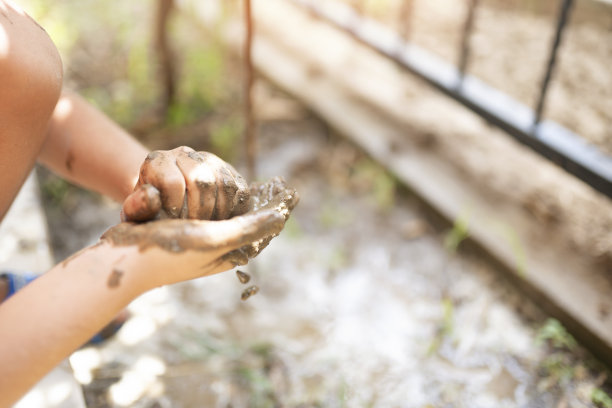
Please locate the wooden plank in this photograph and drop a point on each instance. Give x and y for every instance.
(359, 96)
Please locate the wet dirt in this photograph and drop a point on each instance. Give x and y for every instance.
(114, 279)
(243, 277)
(271, 205)
(248, 292)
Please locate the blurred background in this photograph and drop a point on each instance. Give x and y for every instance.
(372, 296)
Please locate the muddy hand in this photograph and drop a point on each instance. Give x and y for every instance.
(183, 183)
(273, 195)
(198, 247)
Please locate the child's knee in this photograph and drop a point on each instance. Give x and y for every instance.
(30, 65)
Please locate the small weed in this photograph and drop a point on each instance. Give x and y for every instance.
(458, 233)
(342, 394)
(225, 137)
(199, 346)
(553, 333)
(380, 184)
(333, 215)
(509, 234)
(55, 189)
(261, 392)
(601, 398)
(558, 368)
(445, 328)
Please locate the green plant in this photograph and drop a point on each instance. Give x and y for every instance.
(553, 333)
(225, 138)
(601, 398)
(380, 184)
(55, 189)
(558, 368)
(445, 328)
(510, 235)
(458, 233)
(333, 215)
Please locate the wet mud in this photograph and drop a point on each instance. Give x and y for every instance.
(69, 161)
(243, 277)
(248, 292)
(272, 203)
(114, 279)
(273, 195)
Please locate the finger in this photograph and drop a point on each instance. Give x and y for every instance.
(242, 199)
(161, 171)
(226, 191)
(201, 185)
(221, 265)
(242, 230)
(142, 205)
(226, 186)
(174, 235)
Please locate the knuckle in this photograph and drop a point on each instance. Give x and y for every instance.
(153, 155)
(204, 184)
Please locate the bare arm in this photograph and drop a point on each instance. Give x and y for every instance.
(58, 312)
(84, 146)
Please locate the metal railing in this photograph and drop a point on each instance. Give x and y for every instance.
(548, 138)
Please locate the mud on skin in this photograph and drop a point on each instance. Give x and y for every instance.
(272, 199)
(271, 195)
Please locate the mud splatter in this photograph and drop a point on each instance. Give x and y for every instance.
(248, 292)
(69, 161)
(114, 279)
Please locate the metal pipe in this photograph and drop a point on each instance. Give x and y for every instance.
(465, 38)
(550, 139)
(564, 12)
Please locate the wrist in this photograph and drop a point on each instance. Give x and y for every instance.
(111, 268)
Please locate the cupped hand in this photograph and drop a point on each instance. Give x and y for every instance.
(183, 183)
(187, 249)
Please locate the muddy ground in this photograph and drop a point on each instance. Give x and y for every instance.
(363, 300)
(361, 303)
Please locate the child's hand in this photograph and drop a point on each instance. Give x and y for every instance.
(183, 183)
(174, 249)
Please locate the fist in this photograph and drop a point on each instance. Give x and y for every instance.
(183, 183)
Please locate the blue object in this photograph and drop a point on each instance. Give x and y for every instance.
(17, 282)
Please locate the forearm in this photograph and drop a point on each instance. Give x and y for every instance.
(87, 148)
(50, 318)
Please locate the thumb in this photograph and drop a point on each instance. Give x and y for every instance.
(177, 235)
(142, 205)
